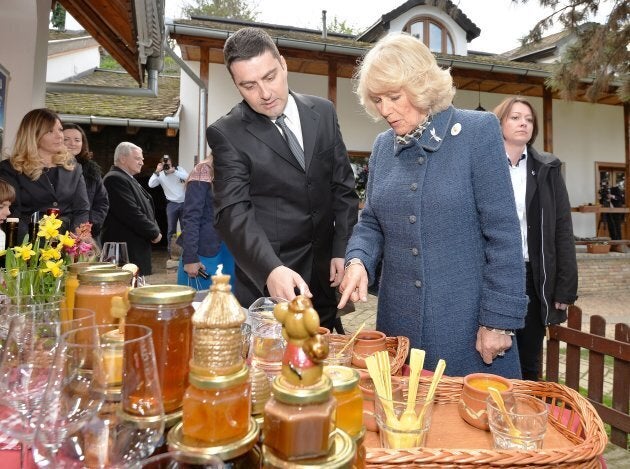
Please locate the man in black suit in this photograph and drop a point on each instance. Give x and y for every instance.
(131, 215)
(285, 216)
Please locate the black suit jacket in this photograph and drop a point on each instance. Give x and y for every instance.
(69, 195)
(271, 212)
(131, 217)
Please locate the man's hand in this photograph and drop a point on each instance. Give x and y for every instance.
(491, 344)
(157, 238)
(283, 281)
(192, 269)
(354, 285)
(159, 167)
(336, 271)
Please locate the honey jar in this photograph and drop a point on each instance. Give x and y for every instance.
(298, 421)
(96, 289)
(340, 456)
(72, 279)
(345, 389)
(217, 409)
(167, 310)
(240, 454)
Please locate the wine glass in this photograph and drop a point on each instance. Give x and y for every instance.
(115, 252)
(25, 366)
(128, 425)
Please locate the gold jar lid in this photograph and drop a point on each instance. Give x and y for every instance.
(78, 267)
(343, 378)
(105, 276)
(161, 295)
(284, 391)
(341, 455)
(218, 381)
(198, 452)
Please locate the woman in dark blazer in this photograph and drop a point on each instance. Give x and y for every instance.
(44, 174)
(77, 144)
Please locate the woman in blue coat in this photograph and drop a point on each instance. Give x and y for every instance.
(203, 250)
(440, 214)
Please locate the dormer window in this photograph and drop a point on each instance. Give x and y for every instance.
(433, 33)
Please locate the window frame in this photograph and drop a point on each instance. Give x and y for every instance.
(426, 31)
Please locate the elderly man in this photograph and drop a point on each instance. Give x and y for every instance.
(131, 215)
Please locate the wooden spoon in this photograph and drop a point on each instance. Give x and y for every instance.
(496, 396)
(439, 370)
(416, 361)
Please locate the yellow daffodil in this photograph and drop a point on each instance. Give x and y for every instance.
(66, 240)
(54, 268)
(47, 231)
(14, 272)
(24, 252)
(50, 254)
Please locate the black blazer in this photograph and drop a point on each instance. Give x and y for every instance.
(271, 212)
(130, 218)
(69, 195)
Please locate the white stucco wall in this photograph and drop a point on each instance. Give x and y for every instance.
(583, 133)
(23, 23)
(69, 64)
(458, 35)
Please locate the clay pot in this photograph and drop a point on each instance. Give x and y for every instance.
(321, 330)
(367, 343)
(472, 402)
(367, 388)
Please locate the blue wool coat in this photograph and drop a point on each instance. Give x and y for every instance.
(440, 212)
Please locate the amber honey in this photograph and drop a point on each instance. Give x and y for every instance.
(483, 384)
(96, 290)
(217, 411)
(167, 310)
(345, 389)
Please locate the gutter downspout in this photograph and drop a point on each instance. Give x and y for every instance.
(203, 92)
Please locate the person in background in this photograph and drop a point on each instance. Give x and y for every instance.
(546, 234)
(44, 174)
(77, 144)
(440, 215)
(131, 215)
(203, 250)
(284, 199)
(7, 197)
(172, 179)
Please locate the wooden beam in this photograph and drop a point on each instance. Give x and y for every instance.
(548, 120)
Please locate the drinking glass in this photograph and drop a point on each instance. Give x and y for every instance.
(25, 367)
(115, 252)
(128, 425)
(523, 424)
(181, 460)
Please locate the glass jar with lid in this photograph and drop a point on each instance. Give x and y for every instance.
(97, 288)
(298, 421)
(72, 278)
(167, 310)
(345, 385)
(243, 453)
(217, 409)
(340, 456)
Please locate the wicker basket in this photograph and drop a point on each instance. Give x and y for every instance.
(580, 426)
(398, 349)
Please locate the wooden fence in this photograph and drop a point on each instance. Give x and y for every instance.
(598, 347)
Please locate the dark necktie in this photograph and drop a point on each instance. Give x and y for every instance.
(291, 139)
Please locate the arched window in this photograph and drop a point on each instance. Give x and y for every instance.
(433, 33)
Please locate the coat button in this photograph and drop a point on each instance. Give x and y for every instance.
(414, 251)
(421, 159)
(414, 186)
(55, 204)
(412, 219)
(418, 283)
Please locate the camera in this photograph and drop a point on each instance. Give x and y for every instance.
(165, 164)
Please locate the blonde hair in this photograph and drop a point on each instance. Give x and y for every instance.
(25, 158)
(401, 62)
